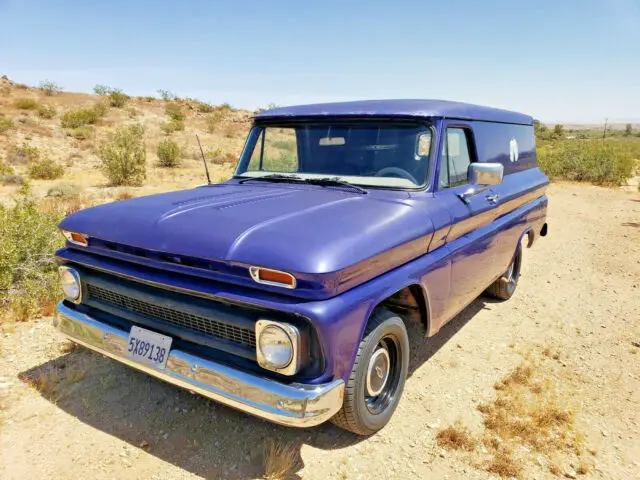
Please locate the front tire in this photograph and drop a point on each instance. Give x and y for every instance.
(378, 376)
(505, 286)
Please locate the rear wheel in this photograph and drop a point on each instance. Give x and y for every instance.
(505, 286)
(377, 379)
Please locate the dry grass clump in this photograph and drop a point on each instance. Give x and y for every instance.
(505, 465)
(529, 410)
(456, 437)
(281, 460)
(530, 416)
(26, 104)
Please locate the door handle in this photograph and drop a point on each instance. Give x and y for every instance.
(493, 198)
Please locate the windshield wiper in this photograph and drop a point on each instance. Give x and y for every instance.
(274, 177)
(335, 182)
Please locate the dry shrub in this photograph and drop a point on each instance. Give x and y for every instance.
(22, 154)
(456, 437)
(584, 467)
(117, 98)
(82, 133)
(6, 124)
(124, 195)
(64, 190)
(46, 111)
(12, 179)
(281, 460)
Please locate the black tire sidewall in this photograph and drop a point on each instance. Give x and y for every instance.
(391, 326)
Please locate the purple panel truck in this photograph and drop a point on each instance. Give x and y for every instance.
(286, 291)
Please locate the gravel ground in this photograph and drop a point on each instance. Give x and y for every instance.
(579, 293)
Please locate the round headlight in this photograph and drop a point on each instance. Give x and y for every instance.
(276, 346)
(70, 281)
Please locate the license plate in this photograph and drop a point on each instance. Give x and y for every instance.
(149, 348)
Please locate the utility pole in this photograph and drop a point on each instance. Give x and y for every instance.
(604, 133)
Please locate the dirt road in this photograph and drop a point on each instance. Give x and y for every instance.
(79, 415)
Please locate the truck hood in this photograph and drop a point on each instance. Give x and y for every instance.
(331, 239)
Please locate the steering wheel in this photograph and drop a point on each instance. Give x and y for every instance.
(398, 172)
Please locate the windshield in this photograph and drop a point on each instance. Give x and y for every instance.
(389, 155)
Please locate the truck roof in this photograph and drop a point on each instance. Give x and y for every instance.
(397, 108)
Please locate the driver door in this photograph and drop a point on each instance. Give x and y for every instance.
(470, 238)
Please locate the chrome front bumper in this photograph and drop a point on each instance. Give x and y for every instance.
(295, 405)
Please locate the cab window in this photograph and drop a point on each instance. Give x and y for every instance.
(456, 158)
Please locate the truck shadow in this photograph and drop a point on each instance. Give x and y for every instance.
(189, 431)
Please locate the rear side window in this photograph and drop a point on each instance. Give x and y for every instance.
(456, 158)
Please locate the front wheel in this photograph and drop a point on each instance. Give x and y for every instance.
(377, 379)
(505, 286)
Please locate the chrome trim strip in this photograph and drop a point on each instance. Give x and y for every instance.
(295, 405)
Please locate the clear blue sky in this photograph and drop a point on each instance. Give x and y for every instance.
(569, 60)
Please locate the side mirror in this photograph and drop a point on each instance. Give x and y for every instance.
(485, 173)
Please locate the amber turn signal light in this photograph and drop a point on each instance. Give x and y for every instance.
(276, 278)
(76, 238)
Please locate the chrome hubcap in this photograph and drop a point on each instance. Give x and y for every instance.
(378, 371)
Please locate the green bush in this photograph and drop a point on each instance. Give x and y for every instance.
(50, 88)
(167, 96)
(82, 133)
(123, 157)
(102, 90)
(5, 169)
(168, 154)
(45, 169)
(600, 162)
(117, 98)
(6, 124)
(174, 111)
(214, 120)
(46, 111)
(172, 126)
(83, 116)
(64, 191)
(26, 104)
(28, 239)
(206, 108)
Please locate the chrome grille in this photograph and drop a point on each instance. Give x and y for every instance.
(224, 331)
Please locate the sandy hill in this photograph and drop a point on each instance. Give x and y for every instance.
(24, 112)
